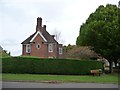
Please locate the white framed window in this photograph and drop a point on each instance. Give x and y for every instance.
(38, 46)
(50, 47)
(28, 48)
(60, 50)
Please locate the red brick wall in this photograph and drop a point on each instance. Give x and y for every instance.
(54, 53)
(43, 50)
(24, 51)
(60, 55)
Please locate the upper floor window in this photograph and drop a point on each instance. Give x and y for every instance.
(38, 46)
(50, 47)
(60, 50)
(28, 48)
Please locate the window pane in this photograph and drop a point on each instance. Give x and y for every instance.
(28, 48)
(50, 47)
(60, 50)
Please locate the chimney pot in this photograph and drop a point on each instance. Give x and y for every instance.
(44, 26)
(53, 36)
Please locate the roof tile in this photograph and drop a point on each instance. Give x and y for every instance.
(46, 35)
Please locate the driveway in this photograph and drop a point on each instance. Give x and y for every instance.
(55, 85)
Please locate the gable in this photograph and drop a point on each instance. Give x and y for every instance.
(38, 33)
(32, 37)
(44, 35)
(47, 38)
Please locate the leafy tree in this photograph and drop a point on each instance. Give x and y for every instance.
(4, 53)
(101, 32)
(76, 52)
(67, 48)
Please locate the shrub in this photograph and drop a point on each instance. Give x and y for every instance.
(48, 66)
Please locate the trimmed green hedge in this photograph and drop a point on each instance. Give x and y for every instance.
(48, 66)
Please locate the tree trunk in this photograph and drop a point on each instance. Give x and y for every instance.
(111, 66)
(115, 64)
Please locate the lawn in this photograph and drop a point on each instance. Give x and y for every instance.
(106, 78)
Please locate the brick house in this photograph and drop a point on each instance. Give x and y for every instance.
(41, 43)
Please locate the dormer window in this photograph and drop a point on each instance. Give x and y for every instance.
(28, 48)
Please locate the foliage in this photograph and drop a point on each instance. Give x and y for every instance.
(48, 66)
(79, 52)
(67, 48)
(101, 31)
(4, 53)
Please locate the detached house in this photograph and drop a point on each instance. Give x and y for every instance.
(41, 43)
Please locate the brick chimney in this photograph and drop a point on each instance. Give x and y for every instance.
(53, 36)
(39, 24)
(44, 27)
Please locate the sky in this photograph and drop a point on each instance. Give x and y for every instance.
(18, 19)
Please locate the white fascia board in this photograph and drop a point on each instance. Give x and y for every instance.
(38, 32)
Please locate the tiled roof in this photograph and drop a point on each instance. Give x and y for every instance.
(28, 39)
(46, 35)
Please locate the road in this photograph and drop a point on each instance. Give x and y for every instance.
(55, 85)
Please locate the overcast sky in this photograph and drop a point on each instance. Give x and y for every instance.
(18, 19)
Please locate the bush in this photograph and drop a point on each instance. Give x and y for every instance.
(48, 66)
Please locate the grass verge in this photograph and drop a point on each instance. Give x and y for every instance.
(107, 78)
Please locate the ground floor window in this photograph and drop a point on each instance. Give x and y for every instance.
(50, 47)
(28, 48)
(60, 50)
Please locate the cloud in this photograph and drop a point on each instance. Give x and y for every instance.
(9, 42)
(12, 46)
(18, 19)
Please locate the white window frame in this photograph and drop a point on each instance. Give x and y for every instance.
(50, 47)
(60, 50)
(37, 46)
(28, 48)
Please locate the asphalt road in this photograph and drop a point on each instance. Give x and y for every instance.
(55, 85)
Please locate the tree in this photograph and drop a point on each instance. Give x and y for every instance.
(4, 53)
(76, 52)
(58, 36)
(101, 32)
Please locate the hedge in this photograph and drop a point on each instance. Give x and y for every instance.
(48, 66)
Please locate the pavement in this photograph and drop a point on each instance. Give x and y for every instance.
(6, 84)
